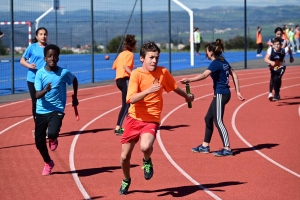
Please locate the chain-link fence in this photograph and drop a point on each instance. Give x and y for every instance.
(85, 29)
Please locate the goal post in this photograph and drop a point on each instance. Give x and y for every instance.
(190, 12)
(29, 28)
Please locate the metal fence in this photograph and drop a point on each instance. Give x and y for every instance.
(83, 29)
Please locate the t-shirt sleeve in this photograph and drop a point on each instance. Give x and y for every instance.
(69, 77)
(269, 51)
(133, 85)
(286, 50)
(169, 82)
(27, 52)
(38, 81)
(212, 67)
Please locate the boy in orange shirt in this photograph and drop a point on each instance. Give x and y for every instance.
(144, 94)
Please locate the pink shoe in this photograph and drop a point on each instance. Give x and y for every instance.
(48, 167)
(53, 144)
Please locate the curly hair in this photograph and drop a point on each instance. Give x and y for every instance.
(148, 47)
(129, 42)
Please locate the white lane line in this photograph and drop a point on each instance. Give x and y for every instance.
(161, 145)
(248, 144)
(4, 130)
(72, 152)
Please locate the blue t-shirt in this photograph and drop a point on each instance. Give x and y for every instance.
(220, 75)
(34, 54)
(55, 99)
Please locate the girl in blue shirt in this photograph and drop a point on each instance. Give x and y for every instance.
(219, 70)
(33, 59)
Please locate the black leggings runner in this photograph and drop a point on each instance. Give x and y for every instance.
(214, 115)
(275, 80)
(122, 84)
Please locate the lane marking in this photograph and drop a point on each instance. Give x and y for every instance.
(161, 145)
(72, 152)
(248, 144)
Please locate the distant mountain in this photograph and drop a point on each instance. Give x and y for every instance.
(74, 27)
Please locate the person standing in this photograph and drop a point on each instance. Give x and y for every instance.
(291, 36)
(197, 40)
(33, 59)
(219, 70)
(124, 65)
(297, 38)
(145, 90)
(259, 41)
(51, 93)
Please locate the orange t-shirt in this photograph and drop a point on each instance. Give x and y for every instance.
(149, 108)
(297, 34)
(258, 37)
(125, 58)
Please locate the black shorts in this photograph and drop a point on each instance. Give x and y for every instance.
(51, 121)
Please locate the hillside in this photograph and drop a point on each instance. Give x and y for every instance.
(75, 28)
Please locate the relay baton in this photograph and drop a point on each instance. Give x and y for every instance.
(188, 91)
(76, 111)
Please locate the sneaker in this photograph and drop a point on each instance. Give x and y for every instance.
(148, 169)
(270, 97)
(223, 152)
(201, 149)
(276, 97)
(48, 167)
(124, 186)
(120, 131)
(53, 144)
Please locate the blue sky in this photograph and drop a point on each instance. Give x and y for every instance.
(148, 5)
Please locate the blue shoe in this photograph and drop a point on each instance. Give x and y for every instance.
(223, 152)
(201, 149)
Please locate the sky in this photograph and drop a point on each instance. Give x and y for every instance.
(148, 5)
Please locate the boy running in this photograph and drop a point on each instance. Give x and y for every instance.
(144, 94)
(275, 59)
(50, 84)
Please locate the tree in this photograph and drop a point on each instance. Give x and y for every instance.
(3, 49)
(113, 44)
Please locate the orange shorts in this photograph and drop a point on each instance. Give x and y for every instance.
(135, 128)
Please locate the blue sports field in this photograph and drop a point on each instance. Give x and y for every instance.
(80, 66)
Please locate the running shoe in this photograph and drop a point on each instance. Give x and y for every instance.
(148, 169)
(53, 144)
(47, 168)
(201, 149)
(270, 97)
(223, 152)
(120, 131)
(124, 186)
(276, 97)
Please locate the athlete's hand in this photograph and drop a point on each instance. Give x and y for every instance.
(48, 87)
(185, 80)
(291, 59)
(154, 88)
(32, 66)
(240, 96)
(272, 63)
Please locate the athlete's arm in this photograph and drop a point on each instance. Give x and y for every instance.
(199, 77)
(236, 83)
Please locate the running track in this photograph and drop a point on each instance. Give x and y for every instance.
(264, 137)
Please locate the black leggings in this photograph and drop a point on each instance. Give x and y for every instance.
(51, 121)
(275, 80)
(32, 93)
(122, 84)
(214, 115)
(259, 48)
(197, 47)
